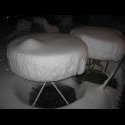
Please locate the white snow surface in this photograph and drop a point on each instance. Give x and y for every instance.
(103, 43)
(47, 57)
(14, 94)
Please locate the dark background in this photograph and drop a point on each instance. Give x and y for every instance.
(9, 22)
(84, 19)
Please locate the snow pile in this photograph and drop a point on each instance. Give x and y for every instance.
(103, 43)
(47, 57)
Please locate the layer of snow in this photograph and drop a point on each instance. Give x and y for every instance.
(47, 57)
(91, 96)
(103, 43)
(14, 91)
(14, 94)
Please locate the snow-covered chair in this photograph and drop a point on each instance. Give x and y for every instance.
(106, 48)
